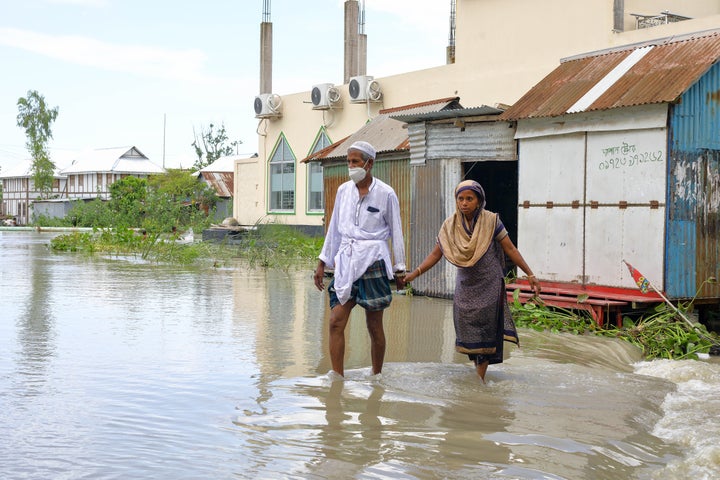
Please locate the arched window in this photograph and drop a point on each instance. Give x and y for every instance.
(282, 177)
(315, 203)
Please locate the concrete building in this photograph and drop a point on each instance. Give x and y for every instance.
(499, 51)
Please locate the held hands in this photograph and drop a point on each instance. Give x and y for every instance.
(411, 276)
(319, 275)
(400, 282)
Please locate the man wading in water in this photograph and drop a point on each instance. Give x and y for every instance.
(365, 216)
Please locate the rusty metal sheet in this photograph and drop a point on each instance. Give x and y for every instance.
(669, 68)
(221, 182)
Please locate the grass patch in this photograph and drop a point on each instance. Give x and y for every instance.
(270, 246)
(279, 246)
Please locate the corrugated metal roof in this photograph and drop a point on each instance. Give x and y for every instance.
(113, 160)
(24, 170)
(448, 103)
(222, 182)
(384, 132)
(653, 72)
(449, 113)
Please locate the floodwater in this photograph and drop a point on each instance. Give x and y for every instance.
(115, 368)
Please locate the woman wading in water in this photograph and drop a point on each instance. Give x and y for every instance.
(475, 240)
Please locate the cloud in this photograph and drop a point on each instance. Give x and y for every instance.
(186, 65)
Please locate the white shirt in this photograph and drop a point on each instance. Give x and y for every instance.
(358, 234)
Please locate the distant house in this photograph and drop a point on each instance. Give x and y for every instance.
(92, 173)
(19, 191)
(220, 176)
(88, 176)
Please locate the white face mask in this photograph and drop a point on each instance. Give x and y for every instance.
(357, 174)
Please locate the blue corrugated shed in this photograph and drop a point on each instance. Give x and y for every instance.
(693, 224)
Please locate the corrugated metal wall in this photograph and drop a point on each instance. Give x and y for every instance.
(693, 230)
(473, 141)
(447, 146)
(396, 173)
(417, 137)
(434, 186)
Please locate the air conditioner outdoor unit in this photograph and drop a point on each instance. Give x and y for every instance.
(268, 105)
(364, 89)
(324, 96)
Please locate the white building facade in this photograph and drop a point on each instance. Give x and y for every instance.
(88, 176)
(501, 50)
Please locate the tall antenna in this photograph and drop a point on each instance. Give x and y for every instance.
(361, 18)
(451, 38)
(361, 41)
(266, 11)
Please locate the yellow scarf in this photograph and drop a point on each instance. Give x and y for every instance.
(458, 247)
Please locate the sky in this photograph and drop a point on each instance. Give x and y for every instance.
(154, 73)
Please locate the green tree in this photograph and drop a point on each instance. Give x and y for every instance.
(177, 183)
(211, 145)
(183, 188)
(127, 201)
(36, 118)
(159, 204)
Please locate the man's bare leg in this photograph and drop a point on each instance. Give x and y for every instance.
(339, 316)
(377, 339)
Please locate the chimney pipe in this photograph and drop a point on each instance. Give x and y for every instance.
(352, 38)
(450, 53)
(619, 15)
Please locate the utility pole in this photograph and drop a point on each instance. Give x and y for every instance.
(164, 127)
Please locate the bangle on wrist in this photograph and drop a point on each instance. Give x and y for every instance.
(419, 270)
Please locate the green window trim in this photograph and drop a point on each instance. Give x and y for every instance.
(282, 178)
(314, 193)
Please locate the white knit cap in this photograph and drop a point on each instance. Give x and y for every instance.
(363, 147)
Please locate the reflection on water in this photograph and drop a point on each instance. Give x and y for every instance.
(35, 332)
(113, 368)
